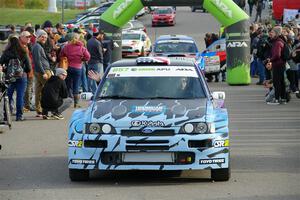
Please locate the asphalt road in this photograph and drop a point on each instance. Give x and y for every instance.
(265, 150)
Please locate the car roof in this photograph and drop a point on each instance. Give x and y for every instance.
(174, 61)
(176, 37)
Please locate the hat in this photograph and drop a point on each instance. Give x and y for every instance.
(277, 30)
(59, 25)
(47, 24)
(96, 31)
(30, 30)
(60, 71)
(25, 34)
(40, 32)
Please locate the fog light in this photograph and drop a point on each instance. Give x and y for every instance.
(94, 128)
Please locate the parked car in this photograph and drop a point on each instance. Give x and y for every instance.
(135, 43)
(135, 25)
(150, 114)
(86, 21)
(175, 46)
(163, 16)
(200, 7)
(98, 10)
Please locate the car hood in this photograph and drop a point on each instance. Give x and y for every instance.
(158, 112)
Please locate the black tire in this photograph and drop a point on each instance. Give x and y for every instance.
(193, 9)
(7, 112)
(79, 174)
(220, 174)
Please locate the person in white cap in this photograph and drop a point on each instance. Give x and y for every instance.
(55, 95)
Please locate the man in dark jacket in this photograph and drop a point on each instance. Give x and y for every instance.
(55, 95)
(278, 66)
(108, 44)
(95, 47)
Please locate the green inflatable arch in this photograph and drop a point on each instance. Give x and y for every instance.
(234, 19)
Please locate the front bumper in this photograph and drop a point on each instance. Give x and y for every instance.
(178, 152)
(162, 22)
(131, 52)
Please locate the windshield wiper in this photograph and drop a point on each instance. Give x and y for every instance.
(166, 97)
(116, 97)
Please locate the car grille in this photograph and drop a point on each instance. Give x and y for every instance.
(131, 133)
(126, 47)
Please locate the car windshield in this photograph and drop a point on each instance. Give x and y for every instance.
(131, 36)
(163, 11)
(162, 85)
(175, 47)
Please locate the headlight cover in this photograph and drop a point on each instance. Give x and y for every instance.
(198, 128)
(99, 128)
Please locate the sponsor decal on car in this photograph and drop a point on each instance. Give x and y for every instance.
(167, 71)
(212, 161)
(221, 143)
(137, 123)
(73, 143)
(147, 110)
(83, 161)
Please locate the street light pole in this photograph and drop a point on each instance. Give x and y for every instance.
(62, 11)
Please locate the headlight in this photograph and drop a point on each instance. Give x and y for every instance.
(198, 128)
(106, 128)
(99, 128)
(94, 128)
(201, 128)
(188, 128)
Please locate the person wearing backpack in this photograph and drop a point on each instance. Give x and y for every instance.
(17, 63)
(277, 64)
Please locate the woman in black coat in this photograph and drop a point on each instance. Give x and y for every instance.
(15, 52)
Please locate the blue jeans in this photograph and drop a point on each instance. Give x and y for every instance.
(73, 79)
(261, 70)
(84, 83)
(92, 84)
(20, 86)
(257, 66)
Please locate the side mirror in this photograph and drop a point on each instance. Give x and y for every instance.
(86, 96)
(219, 98)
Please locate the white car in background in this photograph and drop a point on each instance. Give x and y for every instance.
(135, 43)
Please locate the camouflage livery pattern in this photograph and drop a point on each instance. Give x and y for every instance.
(143, 119)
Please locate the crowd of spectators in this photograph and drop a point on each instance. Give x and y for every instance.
(275, 59)
(54, 63)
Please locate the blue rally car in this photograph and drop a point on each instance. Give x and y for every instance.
(151, 113)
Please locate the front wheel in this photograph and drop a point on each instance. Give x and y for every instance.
(220, 174)
(79, 174)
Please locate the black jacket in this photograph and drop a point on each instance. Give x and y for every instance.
(7, 55)
(53, 93)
